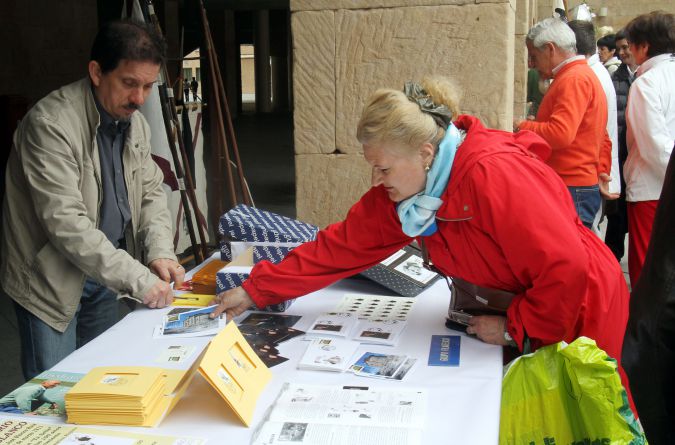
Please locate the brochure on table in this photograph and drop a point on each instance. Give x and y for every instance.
(308, 414)
(348, 325)
(41, 396)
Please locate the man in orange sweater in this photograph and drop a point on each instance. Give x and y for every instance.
(572, 117)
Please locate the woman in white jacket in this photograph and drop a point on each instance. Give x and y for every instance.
(650, 118)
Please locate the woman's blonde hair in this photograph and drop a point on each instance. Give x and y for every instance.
(389, 116)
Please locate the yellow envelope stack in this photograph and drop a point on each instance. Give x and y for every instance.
(125, 395)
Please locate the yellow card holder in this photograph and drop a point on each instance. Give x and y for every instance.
(234, 370)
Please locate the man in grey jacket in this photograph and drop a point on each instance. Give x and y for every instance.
(84, 209)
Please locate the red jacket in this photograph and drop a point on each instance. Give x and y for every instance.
(507, 222)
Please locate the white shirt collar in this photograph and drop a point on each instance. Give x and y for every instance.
(631, 73)
(595, 58)
(565, 62)
(653, 61)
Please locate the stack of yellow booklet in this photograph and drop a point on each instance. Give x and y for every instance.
(125, 395)
(142, 396)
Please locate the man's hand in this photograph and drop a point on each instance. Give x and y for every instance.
(233, 302)
(603, 183)
(160, 295)
(168, 270)
(489, 328)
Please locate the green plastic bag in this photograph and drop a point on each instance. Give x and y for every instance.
(566, 395)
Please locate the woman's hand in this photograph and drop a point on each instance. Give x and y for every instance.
(489, 328)
(233, 302)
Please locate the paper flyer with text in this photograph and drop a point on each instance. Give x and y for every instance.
(20, 432)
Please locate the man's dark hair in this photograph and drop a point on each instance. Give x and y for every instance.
(656, 28)
(608, 41)
(585, 35)
(620, 35)
(129, 40)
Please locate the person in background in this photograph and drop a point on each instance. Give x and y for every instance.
(584, 32)
(536, 88)
(186, 90)
(649, 345)
(607, 52)
(85, 217)
(572, 117)
(617, 217)
(650, 119)
(488, 210)
(194, 86)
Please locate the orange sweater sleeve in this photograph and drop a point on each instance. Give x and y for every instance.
(567, 102)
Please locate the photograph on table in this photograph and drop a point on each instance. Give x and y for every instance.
(386, 332)
(405, 368)
(413, 268)
(333, 323)
(375, 364)
(269, 319)
(189, 322)
(42, 395)
(328, 354)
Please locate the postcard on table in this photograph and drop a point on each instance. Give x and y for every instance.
(376, 307)
(386, 332)
(328, 354)
(189, 322)
(269, 319)
(405, 368)
(375, 364)
(338, 324)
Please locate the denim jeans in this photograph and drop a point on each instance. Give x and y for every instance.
(587, 202)
(42, 346)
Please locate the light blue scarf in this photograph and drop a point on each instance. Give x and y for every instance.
(418, 213)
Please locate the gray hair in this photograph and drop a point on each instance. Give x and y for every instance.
(553, 30)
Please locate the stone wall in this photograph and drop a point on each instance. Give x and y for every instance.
(525, 18)
(344, 50)
(619, 12)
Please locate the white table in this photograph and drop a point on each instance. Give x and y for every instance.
(464, 401)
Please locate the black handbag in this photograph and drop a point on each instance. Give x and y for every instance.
(468, 299)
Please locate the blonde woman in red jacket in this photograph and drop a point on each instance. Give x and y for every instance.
(489, 211)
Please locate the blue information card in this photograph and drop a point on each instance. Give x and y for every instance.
(444, 350)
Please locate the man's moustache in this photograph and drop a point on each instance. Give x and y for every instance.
(132, 106)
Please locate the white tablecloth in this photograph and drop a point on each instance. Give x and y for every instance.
(463, 401)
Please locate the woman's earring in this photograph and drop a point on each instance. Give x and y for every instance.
(427, 168)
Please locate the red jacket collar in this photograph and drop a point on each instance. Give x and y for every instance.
(479, 143)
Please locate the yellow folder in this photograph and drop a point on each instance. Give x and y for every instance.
(234, 370)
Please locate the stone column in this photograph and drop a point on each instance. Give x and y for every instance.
(346, 49)
(523, 15)
(263, 91)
